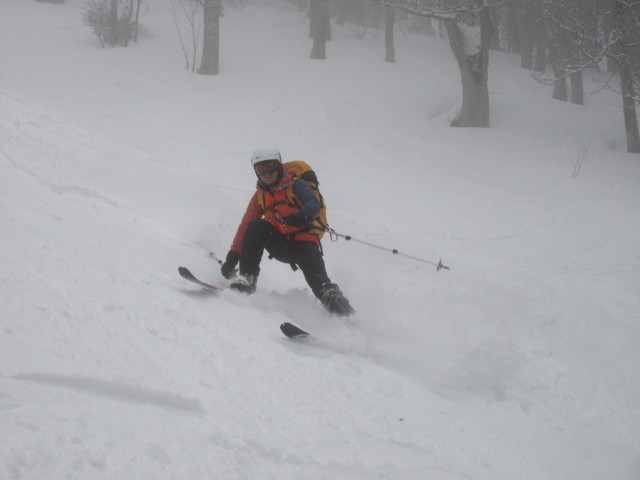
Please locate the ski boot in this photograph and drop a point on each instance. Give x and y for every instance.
(334, 301)
(245, 284)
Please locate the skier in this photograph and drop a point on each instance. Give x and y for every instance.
(282, 228)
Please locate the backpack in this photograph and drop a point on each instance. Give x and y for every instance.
(304, 171)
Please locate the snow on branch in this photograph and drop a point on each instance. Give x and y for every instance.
(447, 10)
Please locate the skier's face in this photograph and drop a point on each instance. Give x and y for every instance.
(267, 171)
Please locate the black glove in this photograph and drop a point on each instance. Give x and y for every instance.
(298, 219)
(228, 268)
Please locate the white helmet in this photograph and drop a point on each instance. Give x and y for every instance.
(265, 154)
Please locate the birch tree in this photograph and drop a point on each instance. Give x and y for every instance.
(390, 50)
(113, 32)
(606, 29)
(211, 40)
(469, 28)
(319, 28)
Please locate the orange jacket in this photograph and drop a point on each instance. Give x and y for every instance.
(276, 207)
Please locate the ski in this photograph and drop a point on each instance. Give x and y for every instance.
(294, 332)
(187, 275)
(289, 329)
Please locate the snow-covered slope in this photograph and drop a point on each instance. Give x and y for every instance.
(117, 166)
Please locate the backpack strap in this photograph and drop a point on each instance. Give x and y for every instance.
(293, 200)
(312, 181)
(260, 199)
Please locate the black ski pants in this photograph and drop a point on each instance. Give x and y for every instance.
(260, 235)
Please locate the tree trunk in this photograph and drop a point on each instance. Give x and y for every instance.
(343, 10)
(560, 82)
(474, 65)
(560, 87)
(319, 28)
(577, 90)
(388, 35)
(113, 27)
(126, 22)
(475, 102)
(498, 31)
(540, 44)
(137, 21)
(526, 45)
(629, 110)
(513, 35)
(319, 50)
(626, 80)
(211, 38)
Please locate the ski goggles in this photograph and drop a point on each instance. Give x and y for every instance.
(266, 168)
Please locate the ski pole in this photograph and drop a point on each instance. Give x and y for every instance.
(220, 262)
(213, 255)
(333, 234)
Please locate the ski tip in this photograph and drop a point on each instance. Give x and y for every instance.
(185, 273)
(292, 331)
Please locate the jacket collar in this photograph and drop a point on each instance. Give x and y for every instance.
(280, 184)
